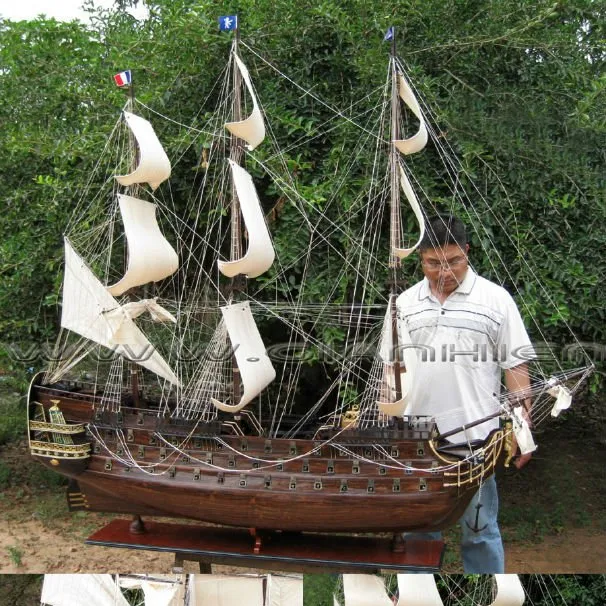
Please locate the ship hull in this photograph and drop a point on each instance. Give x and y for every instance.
(272, 510)
(143, 463)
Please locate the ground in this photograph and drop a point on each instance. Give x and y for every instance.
(553, 515)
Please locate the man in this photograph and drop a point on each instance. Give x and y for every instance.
(474, 331)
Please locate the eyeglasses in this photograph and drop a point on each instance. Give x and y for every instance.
(435, 264)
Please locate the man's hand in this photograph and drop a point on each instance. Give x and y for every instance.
(522, 459)
(517, 381)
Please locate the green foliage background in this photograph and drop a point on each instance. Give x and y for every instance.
(520, 87)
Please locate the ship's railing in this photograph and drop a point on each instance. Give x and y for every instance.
(52, 438)
(60, 451)
(476, 467)
(57, 427)
(72, 395)
(412, 428)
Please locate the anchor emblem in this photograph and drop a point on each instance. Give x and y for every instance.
(475, 527)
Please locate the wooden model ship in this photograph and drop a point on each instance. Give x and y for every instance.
(230, 438)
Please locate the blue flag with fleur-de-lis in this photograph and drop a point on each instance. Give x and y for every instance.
(389, 34)
(228, 23)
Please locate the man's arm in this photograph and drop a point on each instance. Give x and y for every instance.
(517, 380)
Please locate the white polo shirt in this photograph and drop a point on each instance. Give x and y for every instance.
(462, 346)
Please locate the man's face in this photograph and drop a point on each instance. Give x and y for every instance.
(445, 267)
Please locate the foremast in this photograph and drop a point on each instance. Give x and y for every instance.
(397, 367)
(399, 359)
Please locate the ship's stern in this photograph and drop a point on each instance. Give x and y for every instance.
(56, 443)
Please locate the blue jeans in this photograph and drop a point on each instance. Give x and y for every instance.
(481, 552)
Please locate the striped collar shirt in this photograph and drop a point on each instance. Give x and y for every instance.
(461, 346)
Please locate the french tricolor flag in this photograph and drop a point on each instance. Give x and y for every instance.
(123, 78)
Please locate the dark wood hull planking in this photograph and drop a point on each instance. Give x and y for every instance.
(354, 484)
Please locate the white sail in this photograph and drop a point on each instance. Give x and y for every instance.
(509, 590)
(365, 589)
(89, 310)
(522, 432)
(159, 590)
(563, 399)
(418, 590)
(284, 591)
(410, 146)
(81, 590)
(252, 130)
(416, 208)
(223, 590)
(260, 254)
(256, 370)
(154, 165)
(150, 255)
(408, 355)
(156, 311)
(418, 141)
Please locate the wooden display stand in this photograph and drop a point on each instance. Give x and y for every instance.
(283, 551)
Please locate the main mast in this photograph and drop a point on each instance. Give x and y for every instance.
(235, 154)
(252, 370)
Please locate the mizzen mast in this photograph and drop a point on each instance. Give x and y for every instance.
(132, 190)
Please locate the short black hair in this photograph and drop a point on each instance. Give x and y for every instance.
(443, 230)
